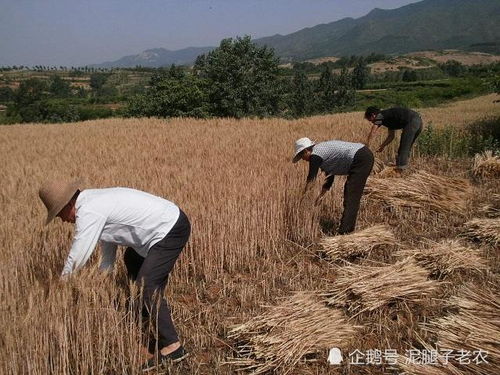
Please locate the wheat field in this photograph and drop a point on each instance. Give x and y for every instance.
(253, 242)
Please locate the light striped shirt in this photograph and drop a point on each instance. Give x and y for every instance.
(337, 156)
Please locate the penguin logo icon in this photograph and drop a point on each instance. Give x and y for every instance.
(335, 356)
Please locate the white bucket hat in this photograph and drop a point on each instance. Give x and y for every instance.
(300, 145)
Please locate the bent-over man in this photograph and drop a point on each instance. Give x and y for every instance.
(393, 119)
(154, 229)
(354, 160)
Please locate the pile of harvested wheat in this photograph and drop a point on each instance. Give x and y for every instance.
(485, 230)
(473, 332)
(486, 165)
(387, 172)
(421, 190)
(446, 258)
(358, 244)
(378, 166)
(367, 288)
(491, 209)
(301, 326)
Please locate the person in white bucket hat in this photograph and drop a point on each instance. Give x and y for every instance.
(354, 160)
(154, 230)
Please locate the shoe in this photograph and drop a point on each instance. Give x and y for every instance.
(176, 356)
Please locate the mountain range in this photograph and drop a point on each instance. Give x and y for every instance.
(472, 25)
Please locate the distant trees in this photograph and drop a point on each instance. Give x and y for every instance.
(59, 87)
(302, 99)
(453, 68)
(6, 94)
(326, 90)
(242, 79)
(360, 74)
(173, 92)
(37, 100)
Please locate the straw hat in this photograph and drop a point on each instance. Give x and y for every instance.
(56, 194)
(300, 145)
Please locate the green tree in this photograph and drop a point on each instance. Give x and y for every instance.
(360, 74)
(302, 98)
(97, 80)
(172, 93)
(6, 94)
(326, 90)
(345, 94)
(453, 68)
(58, 87)
(29, 92)
(409, 75)
(243, 79)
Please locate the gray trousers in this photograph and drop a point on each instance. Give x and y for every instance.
(408, 137)
(353, 189)
(152, 273)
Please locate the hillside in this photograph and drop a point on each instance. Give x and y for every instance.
(158, 57)
(426, 25)
(429, 24)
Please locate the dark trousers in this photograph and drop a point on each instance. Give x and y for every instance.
(408, 137)
(353, 189)
(152, 274)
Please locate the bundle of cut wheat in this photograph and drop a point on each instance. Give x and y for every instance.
(473, 332)
(367, 288)
(302, 325)
(387, 172)
(491, 209)
(359, 243)
(378, 166)
(483, 302)
(421, 190)
(486, 165)
(447, 257)
(487, 230)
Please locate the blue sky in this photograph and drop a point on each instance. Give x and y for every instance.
(79, 32)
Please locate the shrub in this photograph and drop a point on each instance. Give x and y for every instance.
(455, 142)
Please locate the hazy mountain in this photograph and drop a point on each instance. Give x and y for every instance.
(158, 57)
(429, 24)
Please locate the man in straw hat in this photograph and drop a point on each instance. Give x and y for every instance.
(354, 160)
(154, 230)
(393, 119)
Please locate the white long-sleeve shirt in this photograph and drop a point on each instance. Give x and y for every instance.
(118, 216)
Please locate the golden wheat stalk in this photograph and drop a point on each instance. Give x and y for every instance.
(486, 165)
(447, 257)
(486, 230)
(301, 325)
(421, 190)
(360, 288)
(360, 243)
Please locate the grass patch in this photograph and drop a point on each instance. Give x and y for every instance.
(454, 142)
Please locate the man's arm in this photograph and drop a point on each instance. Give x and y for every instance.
(372, 133)
(108, 256)
(388, 139)
(88, 229)
(326, 186)
(314, 164)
